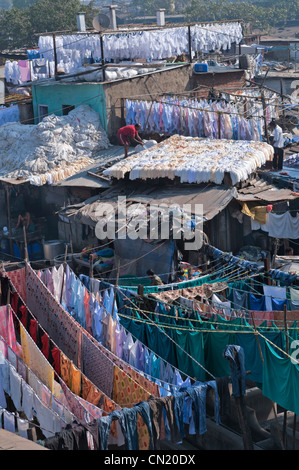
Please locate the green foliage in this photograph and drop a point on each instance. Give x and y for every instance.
(262, 14)
(20, 27)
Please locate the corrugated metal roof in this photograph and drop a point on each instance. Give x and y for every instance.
(90, 176)
(261, 190)
(212, 197)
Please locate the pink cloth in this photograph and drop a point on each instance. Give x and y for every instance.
(25, 70)
(260, 316)
(18, 280)
(7, 328)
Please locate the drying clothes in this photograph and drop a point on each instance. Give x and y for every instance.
(294, 294)
(9, 421)
(35, 360)
(18, 280)
(225, 306)
(194, 118)
(3, 403)
(283, 225)
(163, 43)
(273, 292)
(253, 361)
(224, 396)
(97, 367)
(127, 418)
(257, 303)
(27, 400)
(198, 396)
(278, 304)
(280, 379)
(261, 316)
(125, 390)
(257, 213)
(7, 330)
(235, 355)
(157, 407)
(22, 426)
(198, 161)
(15, 388)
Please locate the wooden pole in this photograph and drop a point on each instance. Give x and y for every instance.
(264, 114)
(91, 265)
(25, 244)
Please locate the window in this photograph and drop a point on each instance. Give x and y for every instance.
(43, 111)
(66, 108)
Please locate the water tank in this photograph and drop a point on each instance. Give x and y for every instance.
(199, 68)
(244, 62)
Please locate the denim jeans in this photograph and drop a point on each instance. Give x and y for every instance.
(235, 354)
(127, 418)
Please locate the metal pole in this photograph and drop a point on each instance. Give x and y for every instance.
(189, 44)
(102, 57)
(55, 54)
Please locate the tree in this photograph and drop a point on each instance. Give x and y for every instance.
(22, 3)
(21, 27)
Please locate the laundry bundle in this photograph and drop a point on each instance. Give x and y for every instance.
(54, 149)
(194, 160)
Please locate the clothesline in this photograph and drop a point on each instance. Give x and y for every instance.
(42, 329)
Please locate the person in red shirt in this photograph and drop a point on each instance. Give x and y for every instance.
(126, 133)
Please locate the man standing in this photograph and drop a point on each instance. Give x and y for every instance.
(126, 133)
(277, 143)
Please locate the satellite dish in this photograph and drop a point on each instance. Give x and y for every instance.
(101, 22)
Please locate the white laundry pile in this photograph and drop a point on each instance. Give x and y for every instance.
(9, 114)
(195, 118)
(195, 160)
(54, 149)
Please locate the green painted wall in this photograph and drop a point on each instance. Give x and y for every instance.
(75, 94)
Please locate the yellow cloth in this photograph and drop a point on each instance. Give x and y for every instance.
(35, 360)
(257, 213)
(127, 393)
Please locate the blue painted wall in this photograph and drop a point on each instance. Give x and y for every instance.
(55, 95)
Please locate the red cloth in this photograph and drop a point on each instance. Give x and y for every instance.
(33, 329)
(127, 131)
(45, 345)
(23, 319)
(56, 358)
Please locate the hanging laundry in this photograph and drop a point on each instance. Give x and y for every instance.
(274, 292)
